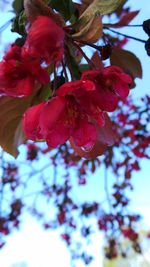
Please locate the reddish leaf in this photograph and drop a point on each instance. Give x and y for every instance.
(11, 135)
(12, 109)
(127, 61)
(86, 2)
(96, 59)
(125, 20)
(35, 8)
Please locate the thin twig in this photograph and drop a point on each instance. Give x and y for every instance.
(125, 35)
(64, 71)
(91, 64)
(131, 25)
(97, 47)
(5, 25)
(125, 25)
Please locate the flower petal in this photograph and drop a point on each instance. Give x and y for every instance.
(53, 111)
(85, 134)
(58, 135)
(77, 88)
(45, 40)
(31, 125)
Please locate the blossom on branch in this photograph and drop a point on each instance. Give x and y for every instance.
(18, 74)
(66, 115)
(45, 40)
(112, 84)
(77, 110)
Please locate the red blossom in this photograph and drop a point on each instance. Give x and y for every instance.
(61, 217)
(69, 114)
(32, 152)
(102, 225)
(45, 40)
(75, 112)
(130, 234)
(112, 84)
(18, 74)
(148, 235)
(66, 238)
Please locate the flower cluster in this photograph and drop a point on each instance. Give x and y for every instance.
(77, 110)
(22, 67)
(45, 40)
(18, 74)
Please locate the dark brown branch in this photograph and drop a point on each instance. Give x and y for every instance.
(125, 35)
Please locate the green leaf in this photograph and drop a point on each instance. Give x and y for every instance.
(65, 7)
(97, 7)
(18, 6)
(84, 67)
(19, 24)
(91, 32)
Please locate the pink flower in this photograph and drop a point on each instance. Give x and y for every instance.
(65, 116)
(112, 84)
(45, 40)
(18, 74)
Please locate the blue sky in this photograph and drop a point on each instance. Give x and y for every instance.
(42, 249)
